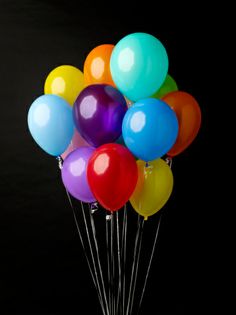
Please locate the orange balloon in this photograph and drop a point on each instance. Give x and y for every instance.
(97, 66)
(189, 117)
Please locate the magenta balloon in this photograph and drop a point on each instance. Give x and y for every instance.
(74, 174)
(98, 113)
(76, 142)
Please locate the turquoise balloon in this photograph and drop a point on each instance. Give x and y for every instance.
(150, 129)
(51, 124)
(139, 65)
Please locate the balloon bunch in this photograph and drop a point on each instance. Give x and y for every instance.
(125, 106)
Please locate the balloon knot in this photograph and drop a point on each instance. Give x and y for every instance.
(169, 161)
(60, 162)
(93, 207)
(108, 217)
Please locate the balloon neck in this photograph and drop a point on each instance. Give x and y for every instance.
(93, 207)
(109, 216)
(169, 160)
(145, 218)
(60, 162)
(147, 164)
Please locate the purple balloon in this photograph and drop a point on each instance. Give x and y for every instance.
(98, 114)
(74, 174)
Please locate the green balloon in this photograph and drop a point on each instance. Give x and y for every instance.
(168, 86)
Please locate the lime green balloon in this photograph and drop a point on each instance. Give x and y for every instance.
(168, 86)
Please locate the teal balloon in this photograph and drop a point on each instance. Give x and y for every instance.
(139, 65)
(167, 87)
(150, 128)
(51, 123)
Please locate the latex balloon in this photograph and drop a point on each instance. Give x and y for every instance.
(149, 129)
(112, 175)
(65, 81)
(189, 116)
(153, 189)
(168, 86)
(139, 65)
(76, 142)
(51, 124)
(97, 66)
(98, 114)
(74, 174)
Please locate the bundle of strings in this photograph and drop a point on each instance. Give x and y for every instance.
(115, 274)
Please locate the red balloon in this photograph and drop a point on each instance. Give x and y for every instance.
(112, 175)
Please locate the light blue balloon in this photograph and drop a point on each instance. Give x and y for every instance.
(139, 65)
(51, 123)
(150, 129)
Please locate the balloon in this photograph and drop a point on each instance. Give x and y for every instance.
(189, 116)
(65, 81)
(153, 189)
(51, 124)
(74, 174)
(98, 114)
(112, 175)
(97, 66)
(76, 142)
(139, 65)
(149, 129)
(168, 86)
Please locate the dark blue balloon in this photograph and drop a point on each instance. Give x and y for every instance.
(150, 129)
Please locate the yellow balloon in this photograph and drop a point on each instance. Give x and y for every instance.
(154, 187)
(65, 81)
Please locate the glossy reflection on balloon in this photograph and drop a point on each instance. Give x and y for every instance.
(88, 107)
(51, 123)
(74, 174)
(98, 114)
(149, 129)
(101, 164)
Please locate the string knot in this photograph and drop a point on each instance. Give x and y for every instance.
(93, 207)
(60, 162)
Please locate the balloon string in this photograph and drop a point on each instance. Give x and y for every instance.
(150, 263)
(98, 260)
(108, 218)
(112, 266)
(93, 259)
(60, 165)
(123, 253)
(137, 263)
(81, 238)
(133, 265)
(118, 305)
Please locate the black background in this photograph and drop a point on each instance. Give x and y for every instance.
(42, 268)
